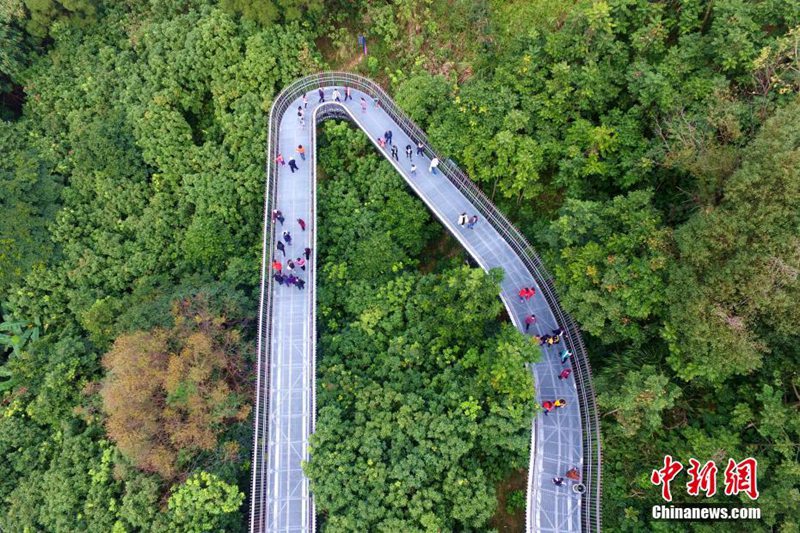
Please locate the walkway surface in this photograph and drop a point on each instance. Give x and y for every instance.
(285, 503)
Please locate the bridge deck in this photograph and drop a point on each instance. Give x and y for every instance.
(289, 369)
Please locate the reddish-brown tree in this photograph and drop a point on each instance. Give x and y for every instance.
(169, 393)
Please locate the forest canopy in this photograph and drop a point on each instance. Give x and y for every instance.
(648, 149)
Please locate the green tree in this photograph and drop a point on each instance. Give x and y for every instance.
(44, 13)
(733, 288)
(611, 266)
(204, 502)
(639, 403)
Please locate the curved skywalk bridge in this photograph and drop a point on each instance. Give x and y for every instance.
(285, 387)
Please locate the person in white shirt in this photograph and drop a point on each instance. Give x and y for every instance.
(434, 164)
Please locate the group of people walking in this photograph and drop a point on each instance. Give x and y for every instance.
(288, 274)
(549, 340)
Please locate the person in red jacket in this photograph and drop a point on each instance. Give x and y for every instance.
(277, 266)
(547, 406)
(573, 474)
(302, 223)
(565, 373)
(530, 319)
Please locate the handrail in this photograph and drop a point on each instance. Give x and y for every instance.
(592, 450)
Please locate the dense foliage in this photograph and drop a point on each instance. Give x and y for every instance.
(648, 148)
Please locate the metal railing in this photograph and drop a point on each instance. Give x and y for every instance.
(263, 343)
(592, 451)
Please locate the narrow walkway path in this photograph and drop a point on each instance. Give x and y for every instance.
(287, 340)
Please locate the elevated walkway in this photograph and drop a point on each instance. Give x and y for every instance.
(285, 390)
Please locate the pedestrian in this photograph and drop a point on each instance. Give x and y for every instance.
(394, 152)
(277, 265)
(321, 95)
(382, 142)
(413, 170)
(558, 481)
(277, 215)
(420, 148)
(305, 100)
(565, 354)
(337, 96)
(523, 293)
(389, 136)
(547, 406)
(558, 331)
(434, 164)
(526, 293)
(347, 95)
(289, 265)
(291, 279)
(281, 248)
(302, 223)
(551, 340)
(530, 319)
(559, 403)
(308, 253)
(301, 151)
(409, 151)
(556, 339)
(300, 112)
(280, 160)
(573, 474)
(300, 284)
(278, 277)
(301, 263)
(287, 237)
(537, 339)
(565, 373)
(543, 340)
(462, 219)
(293, 165)
(472, 221)
(363, 105)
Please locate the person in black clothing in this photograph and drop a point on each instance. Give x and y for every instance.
(278, 277)
(420, 148)
(293, 165)
(281, 248)
(287, 237)
(388, 137)
(308, 253)
(321, 95)
(394, 152)
(409, 151)
(300, 284)
(277, 215)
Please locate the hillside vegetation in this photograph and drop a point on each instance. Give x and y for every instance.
(649, 149)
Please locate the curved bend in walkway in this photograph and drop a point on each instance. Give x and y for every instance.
(285, 388)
